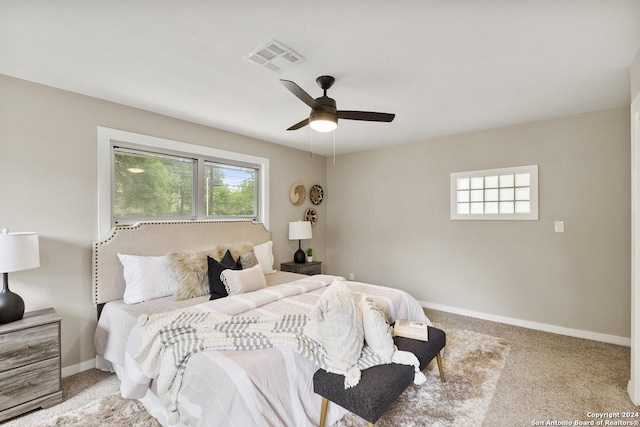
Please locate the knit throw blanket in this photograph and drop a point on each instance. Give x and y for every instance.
(170, 338)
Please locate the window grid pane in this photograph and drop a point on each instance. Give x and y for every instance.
(491, 195)
(491, 181)
(463, 196)
(523, 180)
(477, 195)
(506, 207)
(463, 208)
(463, 183)
(506, 181)
(477, 183)
(523, 193)
(506, 194)
(477, 208)
(491, 208)
(523, 207)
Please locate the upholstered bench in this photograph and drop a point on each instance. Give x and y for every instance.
(380, 385)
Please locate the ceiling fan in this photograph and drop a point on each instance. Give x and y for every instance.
(324, 114)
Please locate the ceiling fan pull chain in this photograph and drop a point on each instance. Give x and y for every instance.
(334, 147)
(312, 143)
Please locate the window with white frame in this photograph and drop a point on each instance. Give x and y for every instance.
(506, 193)
(143, 178)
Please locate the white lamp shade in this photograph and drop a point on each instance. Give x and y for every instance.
(19, 251)
(300, 230)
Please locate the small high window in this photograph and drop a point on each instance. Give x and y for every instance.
(506, 193)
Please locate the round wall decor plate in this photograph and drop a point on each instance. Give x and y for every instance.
(297, 194)
(316, 194)
(311, 215)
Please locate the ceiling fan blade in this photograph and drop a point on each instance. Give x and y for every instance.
(301, 94)
(299, 125)
(368, 116)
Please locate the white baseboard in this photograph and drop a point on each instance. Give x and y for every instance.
(80, 367)
(595, 336)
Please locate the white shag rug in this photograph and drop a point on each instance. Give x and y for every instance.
(472, 364)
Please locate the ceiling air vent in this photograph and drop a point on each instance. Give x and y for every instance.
(275, 56)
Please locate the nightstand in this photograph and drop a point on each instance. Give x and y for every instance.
(30, 363)
(309, 268)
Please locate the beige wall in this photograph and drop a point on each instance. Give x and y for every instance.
(634, 72)
(389, 223)
(48, 184)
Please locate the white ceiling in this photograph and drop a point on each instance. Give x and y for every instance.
(443, 67)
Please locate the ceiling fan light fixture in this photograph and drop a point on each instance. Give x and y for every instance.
(322, 121)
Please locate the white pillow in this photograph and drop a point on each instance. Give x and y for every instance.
(243, 281)
(339, 325)
(377, 331)
(146, 277)
(264, 254)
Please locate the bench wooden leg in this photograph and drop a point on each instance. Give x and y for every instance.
(323, 411)
(439, 359)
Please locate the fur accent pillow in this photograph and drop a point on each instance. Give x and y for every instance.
(339, 325)
(243, 281)
(190, 272)
(377, 331)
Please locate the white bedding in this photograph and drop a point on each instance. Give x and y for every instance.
(270, 387)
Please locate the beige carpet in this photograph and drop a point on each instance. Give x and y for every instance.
(472, 362)
(550, 377)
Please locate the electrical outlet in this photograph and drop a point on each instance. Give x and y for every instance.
(352, 276)
(559, 226)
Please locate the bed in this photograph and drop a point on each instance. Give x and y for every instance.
(267, 387)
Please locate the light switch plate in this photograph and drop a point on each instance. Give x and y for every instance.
(559, 226)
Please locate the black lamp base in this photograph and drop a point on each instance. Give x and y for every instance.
(11, 305)
(299, 257)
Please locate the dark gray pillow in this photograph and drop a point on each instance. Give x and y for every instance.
(215, 269)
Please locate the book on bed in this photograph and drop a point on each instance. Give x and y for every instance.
(411, 329)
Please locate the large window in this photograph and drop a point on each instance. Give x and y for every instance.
(506, 193)
(143, 178)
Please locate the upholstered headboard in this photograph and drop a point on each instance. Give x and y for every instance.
(162, 238)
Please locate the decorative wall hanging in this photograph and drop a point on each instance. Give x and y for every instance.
(297, 194)
(316, 194)
(311, 215)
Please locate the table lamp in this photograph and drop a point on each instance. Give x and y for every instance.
(298, 231)
(18, 251)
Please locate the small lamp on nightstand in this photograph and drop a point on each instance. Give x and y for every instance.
(18, 251)
(298, 231)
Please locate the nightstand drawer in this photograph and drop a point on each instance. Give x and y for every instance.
(309, 269)
(27, 346)
(29, 382)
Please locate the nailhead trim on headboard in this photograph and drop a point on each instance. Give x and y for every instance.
(255, 233)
